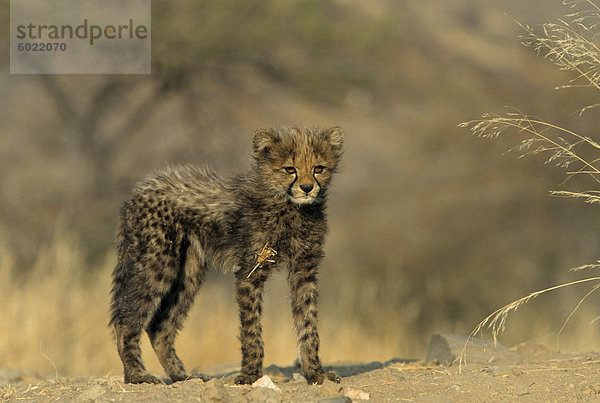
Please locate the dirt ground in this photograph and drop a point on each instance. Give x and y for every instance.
(540, 375)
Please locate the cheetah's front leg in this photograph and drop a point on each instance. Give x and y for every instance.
(249, 298)
(304, 295)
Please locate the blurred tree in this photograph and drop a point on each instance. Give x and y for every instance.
(290, 42)
(321, 50)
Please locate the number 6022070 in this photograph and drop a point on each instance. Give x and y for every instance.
(42, 46)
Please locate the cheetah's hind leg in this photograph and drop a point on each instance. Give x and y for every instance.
(173, 309)
(130, 311)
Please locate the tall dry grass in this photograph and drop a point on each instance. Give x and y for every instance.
(572, 44)
(46, 313)
(54, 320)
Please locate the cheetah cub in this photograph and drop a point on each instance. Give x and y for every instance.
(181, 221)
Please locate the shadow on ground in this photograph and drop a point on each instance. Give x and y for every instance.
(278, 373)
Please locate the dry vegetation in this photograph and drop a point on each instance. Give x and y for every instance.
(572, 45)
(430, 229)
(56, 320)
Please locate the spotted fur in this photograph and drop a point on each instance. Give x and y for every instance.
(182, 221)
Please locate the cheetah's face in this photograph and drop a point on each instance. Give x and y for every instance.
(304, 180)
(298, 163)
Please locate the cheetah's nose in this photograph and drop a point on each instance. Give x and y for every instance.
(306, 188)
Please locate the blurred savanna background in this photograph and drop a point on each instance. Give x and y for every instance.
(431, 228)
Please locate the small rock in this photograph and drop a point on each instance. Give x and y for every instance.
(298, 377)
(330, 387)
(353, 393)
(266, 382)
(214, 391)
(198, 381)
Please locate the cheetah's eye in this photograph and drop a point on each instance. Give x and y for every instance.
(318, 169)
(290, 170)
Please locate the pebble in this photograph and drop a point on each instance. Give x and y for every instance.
(214, 391)
(298, 377)
(330, 387)
(353, 393)
(266, 382)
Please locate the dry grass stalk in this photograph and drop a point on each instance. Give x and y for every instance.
(571, 44)
(594, 288)
(590, 196)
(265, 255)
(594, 266)
(542, 137)
(496, 321)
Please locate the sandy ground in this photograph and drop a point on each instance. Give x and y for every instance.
(540, 375)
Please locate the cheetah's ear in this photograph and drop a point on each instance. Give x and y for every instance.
(263, 141)
(335, 138)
